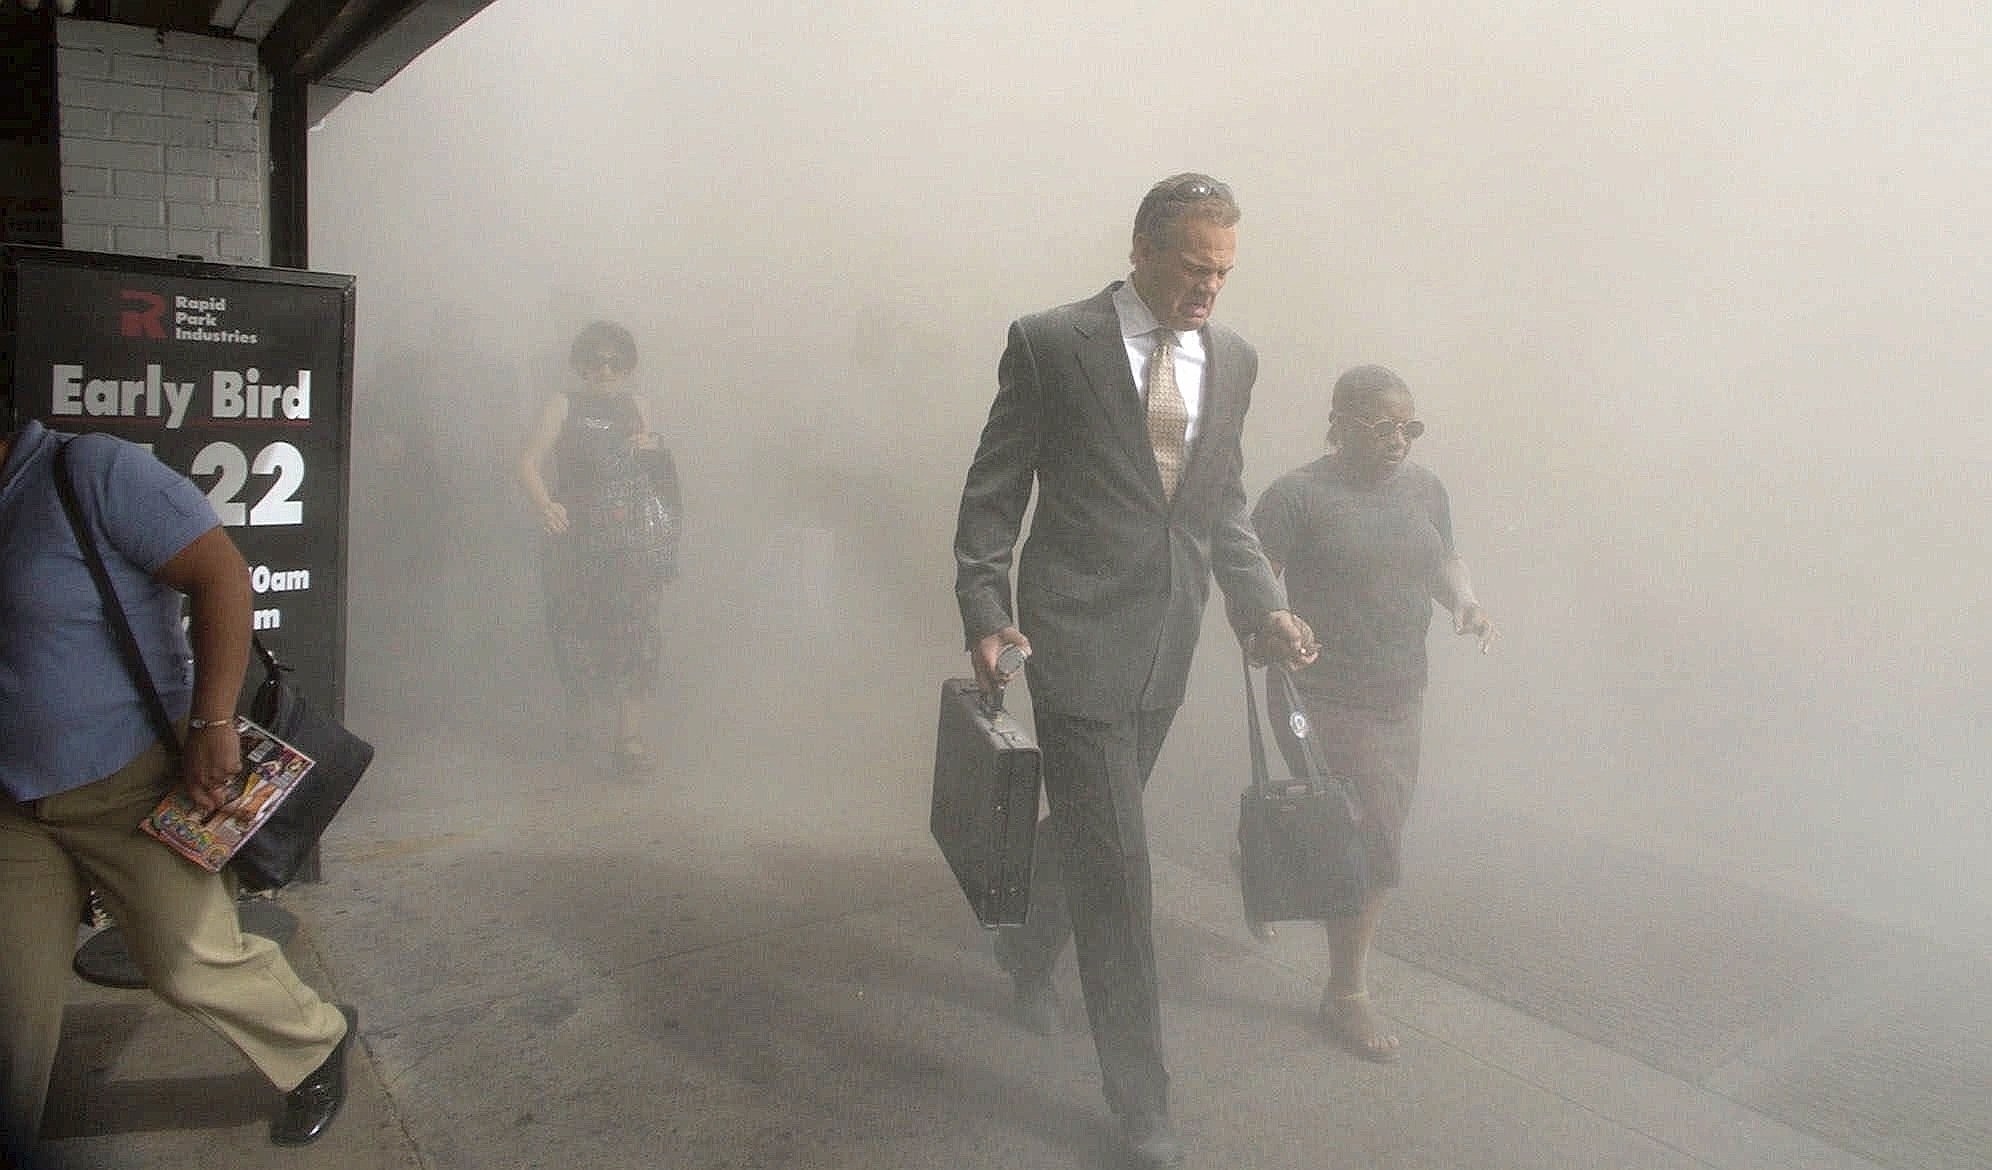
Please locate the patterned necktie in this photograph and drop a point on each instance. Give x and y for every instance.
(1168, 418)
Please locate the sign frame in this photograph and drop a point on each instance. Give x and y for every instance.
(221, 370)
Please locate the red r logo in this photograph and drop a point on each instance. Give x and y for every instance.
(142, 322)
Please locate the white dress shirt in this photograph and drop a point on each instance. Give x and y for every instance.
(1138, 334)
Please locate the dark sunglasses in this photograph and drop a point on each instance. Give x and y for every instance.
(1195, 189)
(1383, 428)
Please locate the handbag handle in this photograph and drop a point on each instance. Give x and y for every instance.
(1315, 765)
(1258, 738)
(1316, 768)
(272, 665)
(128, 649)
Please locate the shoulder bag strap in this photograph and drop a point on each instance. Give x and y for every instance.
(114, 613)
(272, 665)
(267, 706)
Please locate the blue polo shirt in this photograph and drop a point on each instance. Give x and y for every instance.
(69, 711)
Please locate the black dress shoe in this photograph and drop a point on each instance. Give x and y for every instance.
(1037, 1005)
(309, 1109)
(1151, 1141)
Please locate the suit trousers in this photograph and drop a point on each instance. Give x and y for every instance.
(1090, 882)
(180, 925)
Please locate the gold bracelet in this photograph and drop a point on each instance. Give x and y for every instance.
(204, 724)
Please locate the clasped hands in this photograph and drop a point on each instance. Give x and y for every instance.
(1284, 638)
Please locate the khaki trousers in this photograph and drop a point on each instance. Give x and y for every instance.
(179, 922)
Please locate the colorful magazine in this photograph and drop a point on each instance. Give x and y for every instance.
(271, 769)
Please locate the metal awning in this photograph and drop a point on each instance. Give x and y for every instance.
(344, 44)
(315, 53)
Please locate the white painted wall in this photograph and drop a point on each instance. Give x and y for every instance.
(165, 143)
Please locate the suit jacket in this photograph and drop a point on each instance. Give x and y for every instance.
(1113, 577)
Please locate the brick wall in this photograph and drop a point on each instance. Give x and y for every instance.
(164, 143)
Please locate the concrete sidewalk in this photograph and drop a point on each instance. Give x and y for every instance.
(726, 967)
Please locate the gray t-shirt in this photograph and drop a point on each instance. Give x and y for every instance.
(69, 709)
(1361, 562)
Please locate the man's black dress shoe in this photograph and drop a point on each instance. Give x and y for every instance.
(309, 1109)
(1037, 1005)
(1151, 1141)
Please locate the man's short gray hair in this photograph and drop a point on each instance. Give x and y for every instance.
(1179, 196)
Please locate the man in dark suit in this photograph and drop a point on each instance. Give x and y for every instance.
(1124, 410)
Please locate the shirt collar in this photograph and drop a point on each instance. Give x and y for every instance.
(1135, 318)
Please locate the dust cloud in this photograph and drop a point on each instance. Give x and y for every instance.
(1695, 307)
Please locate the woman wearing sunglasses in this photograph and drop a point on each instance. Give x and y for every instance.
(1363, 538)
(611, 520)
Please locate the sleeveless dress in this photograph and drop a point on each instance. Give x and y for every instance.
(602, 609)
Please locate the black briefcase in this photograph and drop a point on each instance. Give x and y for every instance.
(986, 782)
(1301, 847)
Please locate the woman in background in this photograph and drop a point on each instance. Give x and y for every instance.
(611, 518)
(1364, 540)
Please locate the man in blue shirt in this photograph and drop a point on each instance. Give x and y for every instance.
(81, 766)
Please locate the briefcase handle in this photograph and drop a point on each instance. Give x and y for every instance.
(1009, 661)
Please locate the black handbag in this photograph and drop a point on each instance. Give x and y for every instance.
(279, 847)
(276, 851)
(1302, 854)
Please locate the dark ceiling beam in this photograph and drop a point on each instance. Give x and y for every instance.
(343, 44)
(176, 15)
(417, 29)
(312, 36)
(358, 44)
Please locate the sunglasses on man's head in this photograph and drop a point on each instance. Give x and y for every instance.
(1383, 428)
(1194, 189)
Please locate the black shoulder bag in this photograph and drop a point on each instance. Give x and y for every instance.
(1300, 841)
(271, 857)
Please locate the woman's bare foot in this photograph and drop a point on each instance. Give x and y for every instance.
(1352, 1019)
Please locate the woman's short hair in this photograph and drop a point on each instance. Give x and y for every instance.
(602, 337)
(1357, 388)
